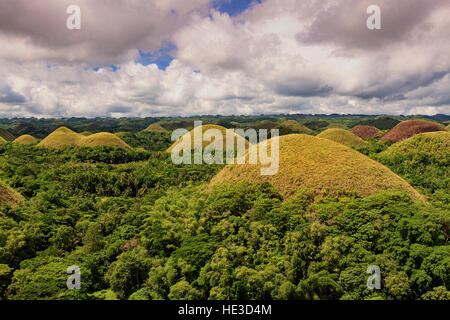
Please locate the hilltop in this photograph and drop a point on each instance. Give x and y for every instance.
(66, 137)
(103, 139)
(26, 139)
(322, 165)
(342, 136)
(206, 143)
(294, 127)
(433, 143)
(365, 132)
(155, 127)
(407, 129)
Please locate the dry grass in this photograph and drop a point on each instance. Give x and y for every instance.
(66, 137)
(155, 127)
(86, 133)
(296, 127)
(61, 137)
(2, 140)
(342, 136)
(365, 132)
(322, 165)
(206, 143)
(407, 129)
(103, 139)
(25, 139)
(9, 196)
(436, 143)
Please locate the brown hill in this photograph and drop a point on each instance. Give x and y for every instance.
(25, 139)
(365, 132)
(342, 136)
(322, 165)
(407, 129)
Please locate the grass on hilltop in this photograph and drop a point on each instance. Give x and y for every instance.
(2, 140)
(155, 127)
(319, 164)
(365, 132)
(10, 197)
(407, 129)
(26, 139)
(294, 127)
(436, 143)
(66, 137)
(342, 136)
(207, 143)
(86, 133)
(103, 139)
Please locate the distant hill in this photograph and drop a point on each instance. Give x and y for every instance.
(2, 140)
(155, 127)
(365, 132)
(407, 129)
(5, 134)
(342, 136)
(381, 123)
(65, 137)
(102, 139)
(292, 126)
(319, 164)
(205, 128)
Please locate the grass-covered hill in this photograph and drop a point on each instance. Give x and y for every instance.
(25, 139)
(2, 140)
(407, 129)
(102, 139)
(319, 164)
(342, 136)
(365, 132)
(65, 137)
(155, 127)
(292, 126)
(205, 128)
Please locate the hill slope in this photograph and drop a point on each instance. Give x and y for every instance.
(319, 164)
(295, 127)
(407, 129)
(342, 136)
(61, 137)
(155, 127)
(9, 196)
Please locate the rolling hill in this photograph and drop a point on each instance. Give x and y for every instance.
(365, 132)
(26, 139)
(407, 129)
(342, 136)
(319, 164)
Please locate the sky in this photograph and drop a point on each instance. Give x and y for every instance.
(140, 58)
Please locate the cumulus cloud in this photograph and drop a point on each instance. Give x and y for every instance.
(278, 56)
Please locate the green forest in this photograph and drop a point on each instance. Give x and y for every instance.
(142, 228)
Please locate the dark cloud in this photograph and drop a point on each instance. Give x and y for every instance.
(344, 24)
(9, 96)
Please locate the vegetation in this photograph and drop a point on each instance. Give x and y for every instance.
(292, 126)
(103, 139)
(155, 127)
(6, 135)
(342, 136)
(140, 227)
